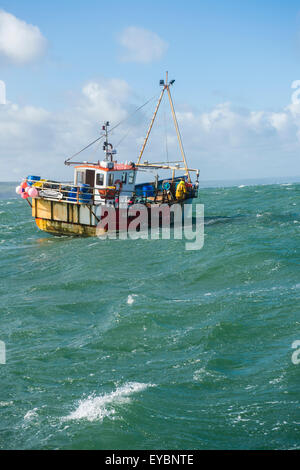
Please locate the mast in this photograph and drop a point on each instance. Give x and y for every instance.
(151, 125)
(166, 87)
(108, 154)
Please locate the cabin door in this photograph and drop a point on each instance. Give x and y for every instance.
(90, 177)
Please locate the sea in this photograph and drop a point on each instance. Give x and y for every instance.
(143, 344)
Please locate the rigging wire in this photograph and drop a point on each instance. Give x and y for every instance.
(124, 137)
(113, 128)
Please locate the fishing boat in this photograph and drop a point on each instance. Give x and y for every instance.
(78, 207)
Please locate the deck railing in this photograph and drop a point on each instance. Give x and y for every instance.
(76, 194)
(80, 194)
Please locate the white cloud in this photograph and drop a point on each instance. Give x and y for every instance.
(225, 143)
(238, 143)
(141, 45)
(35, 140)
(108, 97)
(20, 42)
(2, 92)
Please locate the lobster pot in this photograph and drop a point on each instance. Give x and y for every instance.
(84, 188)
(85, 198)
(32, 179)
(72, 195)
(84, 194)
(148, 190)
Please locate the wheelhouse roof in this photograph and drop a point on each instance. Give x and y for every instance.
(116, 167)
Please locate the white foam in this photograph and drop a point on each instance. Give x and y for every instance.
(130, 299)
(31, 414)
(6, 403)
(97, 408)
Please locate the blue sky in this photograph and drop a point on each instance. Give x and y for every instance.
(230, 59)
(246, 51)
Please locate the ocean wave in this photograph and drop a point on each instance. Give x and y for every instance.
(96, 408)
(130, 299)
(31, 414)
(6, 403)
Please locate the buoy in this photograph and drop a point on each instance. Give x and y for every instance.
(18, 190)
(33, 192)
(24, 195)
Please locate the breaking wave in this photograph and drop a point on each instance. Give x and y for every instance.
(99, 407)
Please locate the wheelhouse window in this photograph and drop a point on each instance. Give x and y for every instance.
(100, 179)
(124, 177)
(131, 177)
(80, 177)
(110, 179)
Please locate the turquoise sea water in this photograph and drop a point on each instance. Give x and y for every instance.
(144, 345)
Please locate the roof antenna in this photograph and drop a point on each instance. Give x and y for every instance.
(107, 147)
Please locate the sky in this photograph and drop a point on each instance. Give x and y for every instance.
(67, 66)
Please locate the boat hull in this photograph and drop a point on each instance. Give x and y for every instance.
(65, 218)
(65, 228)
